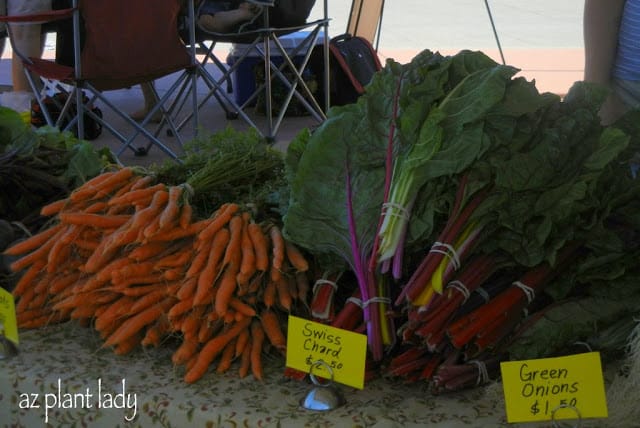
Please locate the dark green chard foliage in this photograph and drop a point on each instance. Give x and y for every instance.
(41, 165)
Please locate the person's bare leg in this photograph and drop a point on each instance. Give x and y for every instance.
(225, 21)
(29, 39)
(150, 101)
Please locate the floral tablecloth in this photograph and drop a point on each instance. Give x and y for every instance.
(61, 377)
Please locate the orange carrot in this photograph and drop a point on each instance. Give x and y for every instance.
(295, 257)
(242, 307)
(187, 289)
(151, 298)
(27, 278)
(255, 284)
(191, 324)
(180, 308)
(111, 269)
(245, 361)
(42, 321)
(227, 357)
(118, 309)
(284, 296)
(25, 300)
(179, 258)
(135, 195)
(185, 351)
(277, 247)
(121, 178)
(39, 300)
(229, 317)
(40, 253)
(34, 241)
(138, 280)
(200, 259)
(302, 283)
(96, 207)
(132, 270)
(84, 311)
(104, 254)
(90, 187)
(242, 342)
(257, 340)
(143, 182)
(60, 282)
(144, 216)
(128, 345)
(292, 286)
(226, 287)
(233, 252)
(260, 246)
(248, 259)
(212, 349)
(151, 229)
(134, 291)
(171, 274)
(179, 233)
(269, 294)
(147, 251)
(55, 207)
(128, 186)
(101, 221)
(206, 331)
(134, 324)
(31, 314)
(60, 250)
(273, 329)
(208, 275)
(238, 316)
(172, 209)
(221, 218)
(156, 332)
(186, 212)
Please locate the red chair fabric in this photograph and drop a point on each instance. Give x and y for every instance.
(123, 43)
(129, 42)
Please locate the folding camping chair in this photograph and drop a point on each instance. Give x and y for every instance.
(366, 22)
(116, 44)
(283, 65)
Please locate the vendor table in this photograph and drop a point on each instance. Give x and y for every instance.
(62, 376)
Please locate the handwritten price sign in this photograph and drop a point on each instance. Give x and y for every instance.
(569, 387)
(343, 352)
(8, 323)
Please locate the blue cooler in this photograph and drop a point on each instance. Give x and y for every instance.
(244, 77)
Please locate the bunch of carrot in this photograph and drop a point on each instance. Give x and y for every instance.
(125, 255)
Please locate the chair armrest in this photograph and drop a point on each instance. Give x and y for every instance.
(49, 16)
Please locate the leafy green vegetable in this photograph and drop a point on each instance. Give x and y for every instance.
(228, 165)
(38, 166)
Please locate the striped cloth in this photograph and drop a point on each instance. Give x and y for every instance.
(627, 65)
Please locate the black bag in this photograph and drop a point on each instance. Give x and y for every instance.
(353, 62)
(54, 104)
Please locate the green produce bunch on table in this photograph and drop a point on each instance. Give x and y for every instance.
(38, 166)
(463, 201)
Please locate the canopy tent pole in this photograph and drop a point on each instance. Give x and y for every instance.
(367, 22)
(495, 32)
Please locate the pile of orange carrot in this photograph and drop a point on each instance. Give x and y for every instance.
(125, 255)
